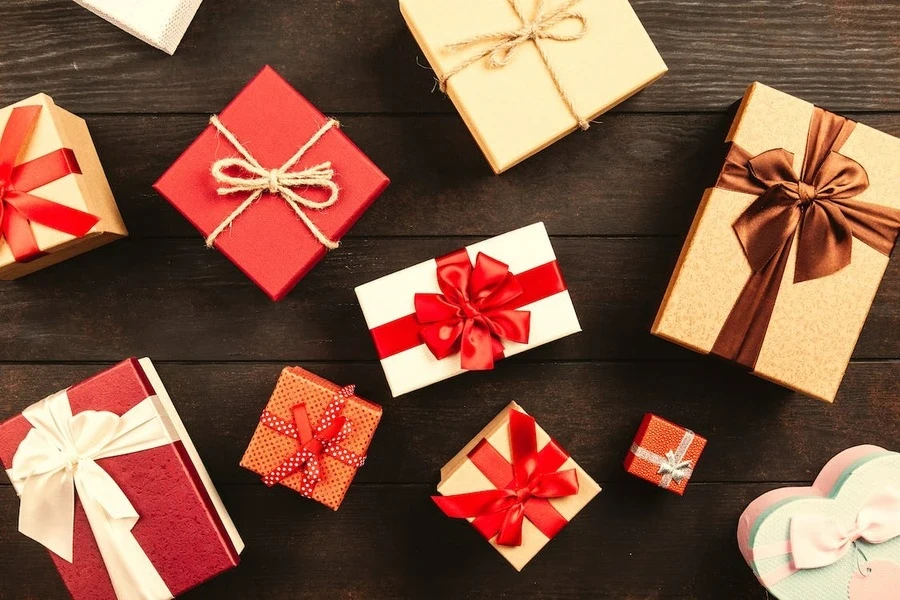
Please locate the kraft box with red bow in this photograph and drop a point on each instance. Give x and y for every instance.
(160, 23)
(787, 251)
(518, 487)
(55, 202)
(312, 437)
(272, 183)
(110, 482)
(466, 310)
(664, 454)
(838, 539)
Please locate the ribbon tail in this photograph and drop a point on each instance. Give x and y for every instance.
(47, 512)
(16, 230)
(511, 529)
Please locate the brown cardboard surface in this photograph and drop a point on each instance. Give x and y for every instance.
(516, 111)
(460, 476)
(89, 191)
(815, 324)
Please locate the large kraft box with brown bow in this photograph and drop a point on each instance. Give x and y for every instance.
(55, 201)
(787, 251)
(525, 73)
(312, 437)
(468, 309)
(516, 485)
(272, 183)
(111, 484)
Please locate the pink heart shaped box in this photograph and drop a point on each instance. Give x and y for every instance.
(834, 482)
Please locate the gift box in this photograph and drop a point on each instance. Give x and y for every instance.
(312, 437)
(55, 202)
(779, 270)
(272, 183)
(838, 539)
(525, 73)
(467, 309)
(515, 485)
(664, 454)
(110, 482)
(160, 23)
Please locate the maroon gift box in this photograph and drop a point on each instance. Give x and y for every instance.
(183, 527)
(268, 241)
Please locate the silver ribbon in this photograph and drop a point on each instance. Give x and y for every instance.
(672, 466)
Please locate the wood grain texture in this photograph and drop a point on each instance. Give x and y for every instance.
(617, 200)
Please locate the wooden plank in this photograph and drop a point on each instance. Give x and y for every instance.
(357, 56)
(176, 300)
(630, 175)
(593, 409)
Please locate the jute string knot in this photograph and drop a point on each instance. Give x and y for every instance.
(257, 180)
(542, 26)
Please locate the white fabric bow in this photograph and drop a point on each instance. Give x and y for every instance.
(58, 457)
(672, 466)
(819, 541)
(675, 468)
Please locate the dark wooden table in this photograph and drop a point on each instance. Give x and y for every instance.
(617, 200)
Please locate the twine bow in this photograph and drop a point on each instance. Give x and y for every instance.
(258, 180)
(542, 26)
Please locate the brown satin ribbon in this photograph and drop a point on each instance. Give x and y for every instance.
(819, 210)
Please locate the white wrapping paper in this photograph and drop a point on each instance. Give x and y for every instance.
(160, 23)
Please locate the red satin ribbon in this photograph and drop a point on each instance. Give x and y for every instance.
(523, 487)
(18, 208)
(818, 210)
(477, 308)
(313, 444)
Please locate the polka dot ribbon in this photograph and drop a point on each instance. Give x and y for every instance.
(324, 440)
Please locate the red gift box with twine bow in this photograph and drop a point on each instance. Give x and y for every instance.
(272, 183)
(665, 454)
(518, 487)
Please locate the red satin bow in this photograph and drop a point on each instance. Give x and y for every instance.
(470, 316)
(18, 208)
(325, 440)
(523, 487)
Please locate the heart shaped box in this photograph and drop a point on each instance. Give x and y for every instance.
(846, 485)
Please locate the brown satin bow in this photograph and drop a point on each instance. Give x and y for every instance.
(819, 209)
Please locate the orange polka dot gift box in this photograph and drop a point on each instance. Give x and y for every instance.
(312, 437)
(665, 454)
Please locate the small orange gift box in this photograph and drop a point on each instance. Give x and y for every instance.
(664, 454)
(312, 437)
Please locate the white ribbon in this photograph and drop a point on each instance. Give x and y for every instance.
(57, 458)
(672, 466)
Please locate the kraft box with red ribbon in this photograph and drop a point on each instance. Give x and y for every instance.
(518, 487)
(312, 437)
(787, 251)
(468, 309)
(55, 201)
(272, 183)
(110, 482)
(665, 454)
(838, 539)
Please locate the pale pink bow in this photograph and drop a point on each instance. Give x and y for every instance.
(819, 541)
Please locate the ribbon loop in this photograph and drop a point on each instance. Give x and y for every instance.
(257, 180)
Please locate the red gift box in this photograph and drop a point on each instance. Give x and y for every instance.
(664, 453)
(182, 526)
(276, 239)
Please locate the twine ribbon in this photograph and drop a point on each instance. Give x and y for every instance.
(504, 44)
(672, 466)
(314, 444)
(258, 180)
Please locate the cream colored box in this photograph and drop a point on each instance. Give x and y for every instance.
(87, 191)
(160, 23)
(517, 110)
(814, 323)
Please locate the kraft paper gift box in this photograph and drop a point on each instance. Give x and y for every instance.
(787, 251)
(522, 78)
(272, 183)
(665, 454)
(110, 482)
(55, 202)
(160, 23)
(312, 437)
(838, 539)
(518, 487)
(467, 309)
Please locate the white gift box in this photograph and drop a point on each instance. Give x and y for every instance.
(160, 23)
(388, 304)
